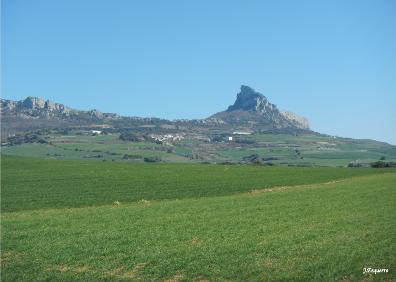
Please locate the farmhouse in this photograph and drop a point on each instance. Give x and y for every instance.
(241, 133)
(167, 137)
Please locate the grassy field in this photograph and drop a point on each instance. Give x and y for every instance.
(29, 184)
(197, 222)
(280, 149)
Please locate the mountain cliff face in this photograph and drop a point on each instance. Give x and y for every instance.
(35, 113)
(35, 108)
(250, 100)
(252, 107)
(298, 121)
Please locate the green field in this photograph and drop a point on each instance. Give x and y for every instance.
(194, 222)
(29, 184)
(277, 149)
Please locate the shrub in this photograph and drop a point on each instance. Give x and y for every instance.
(218, 138)
(26, 138)
(129, 157)
(244, 141)
(144, 202)
(133, 137)
(227, 163)
(116, 203)
(381, 164)
(152, 159)
(269, 164)
(270, 159)
(354, 164)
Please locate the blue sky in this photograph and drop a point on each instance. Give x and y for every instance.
(331, 61)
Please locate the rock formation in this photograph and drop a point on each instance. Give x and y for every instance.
(254, 108)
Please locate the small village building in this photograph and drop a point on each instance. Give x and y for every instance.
(241, 133)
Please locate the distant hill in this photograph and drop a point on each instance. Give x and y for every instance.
(251, 111)
(251, 130)
(36, 113)
(36, 108)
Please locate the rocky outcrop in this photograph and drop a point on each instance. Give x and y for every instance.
(8, 105)
(250, 100)
(253, 108)
(299, 121)
(33, 103)
(33, 107)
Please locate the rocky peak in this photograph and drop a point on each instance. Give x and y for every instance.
(252, 107)
(33, 103)
(250, 100)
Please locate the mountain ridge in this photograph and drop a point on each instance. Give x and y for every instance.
(250, 130)
(251, 112)
(39, 107)
(250, 106)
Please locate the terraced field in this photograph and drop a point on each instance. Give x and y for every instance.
(194, 222)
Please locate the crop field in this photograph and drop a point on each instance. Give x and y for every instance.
(29, 184)
(68, 220)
